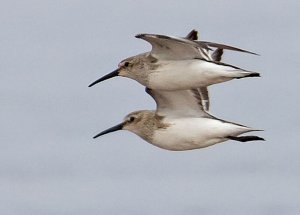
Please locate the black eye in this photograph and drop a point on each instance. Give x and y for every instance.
(126, 64)
(131, 119)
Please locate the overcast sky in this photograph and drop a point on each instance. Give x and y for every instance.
(51, 50)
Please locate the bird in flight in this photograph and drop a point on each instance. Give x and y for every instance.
(176, 63)
(181, 120)
(181, 123)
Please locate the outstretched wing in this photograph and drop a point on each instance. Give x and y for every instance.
(174, 48)
(181, 103)
(216, 56)
(224, 46)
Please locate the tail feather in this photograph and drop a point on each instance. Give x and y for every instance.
(251, 74)
(245, 138)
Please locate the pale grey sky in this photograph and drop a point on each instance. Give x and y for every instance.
(49, 163)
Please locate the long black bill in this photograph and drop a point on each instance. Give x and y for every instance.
(108, 76)
(112, 129)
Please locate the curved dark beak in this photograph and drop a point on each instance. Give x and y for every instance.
(108, 76)
(112, 129)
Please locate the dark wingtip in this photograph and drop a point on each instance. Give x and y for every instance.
(193, 35)
(217, 54)
(227, 47)
(249, 52)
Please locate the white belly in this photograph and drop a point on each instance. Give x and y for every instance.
(187, 74)
(193, 133)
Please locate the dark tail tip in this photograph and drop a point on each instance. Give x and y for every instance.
(253, 74)
(246, 138)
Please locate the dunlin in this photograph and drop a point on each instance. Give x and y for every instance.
(176, 63)
(180, 123)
